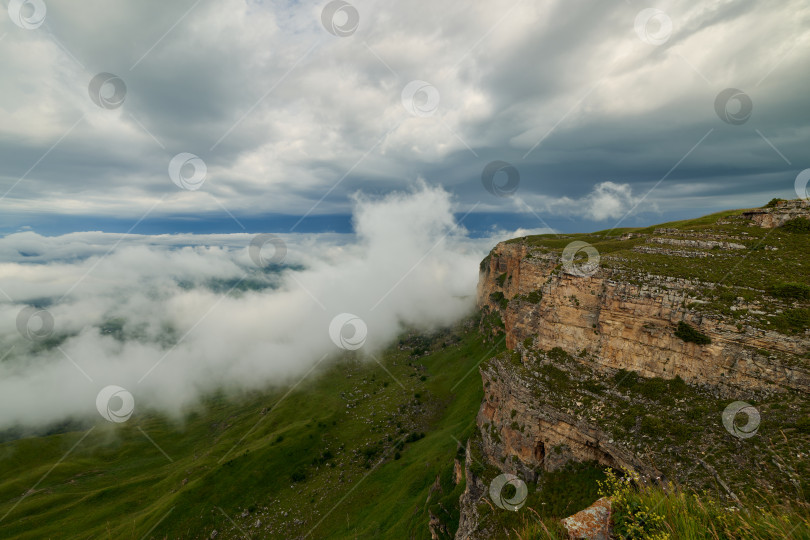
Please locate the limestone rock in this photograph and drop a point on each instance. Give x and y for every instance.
(783, 211)
(624, 325)
(593, 523)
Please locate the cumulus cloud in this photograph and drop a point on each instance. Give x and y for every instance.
(608, 200)
(165, 318)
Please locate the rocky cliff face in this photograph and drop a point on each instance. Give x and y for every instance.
(601, 371)
(528, 435)
(625, 325)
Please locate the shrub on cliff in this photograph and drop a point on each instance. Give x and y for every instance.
(535, 296)
(798, 225)
(498, 298)
(690, 334)
(773, 203)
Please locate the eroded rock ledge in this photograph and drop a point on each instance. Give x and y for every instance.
(623, 325)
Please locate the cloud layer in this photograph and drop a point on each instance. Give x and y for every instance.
(291, 119)
(165, 317)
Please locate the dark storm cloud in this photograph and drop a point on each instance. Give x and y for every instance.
(282, 112)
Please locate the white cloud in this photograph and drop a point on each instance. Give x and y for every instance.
(606, 200)
(409, 265)
(609, 200)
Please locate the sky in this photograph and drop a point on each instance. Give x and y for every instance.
(232, 116)
(147, 148)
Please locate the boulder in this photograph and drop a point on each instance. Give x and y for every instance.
(593, 523)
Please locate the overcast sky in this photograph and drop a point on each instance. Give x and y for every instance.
(597, 110)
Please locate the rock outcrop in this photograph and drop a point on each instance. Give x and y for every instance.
(468, 523)
(781, 212)
(523, 436)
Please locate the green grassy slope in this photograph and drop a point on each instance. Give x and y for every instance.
(341, 456)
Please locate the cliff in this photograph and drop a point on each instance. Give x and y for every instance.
(625, 348)
(620, 322)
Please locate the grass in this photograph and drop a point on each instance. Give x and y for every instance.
(324, 455)
(553, 496)
(653, 511)
(797, 225)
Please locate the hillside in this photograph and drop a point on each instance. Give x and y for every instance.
(349, 454)
(625, 351)
(626, 360)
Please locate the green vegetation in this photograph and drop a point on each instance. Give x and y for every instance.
(492, 323)
(553, 496)
(260, 456)
(798, 291)
(557, 377)
(498, 298)
(690, 334)
(792, 320)
(654, 512)
(773, 203)
(798, 225)
(534, 297)
(633, 518)
(570, 489)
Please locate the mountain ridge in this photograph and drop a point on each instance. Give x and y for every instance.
(625, 353)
